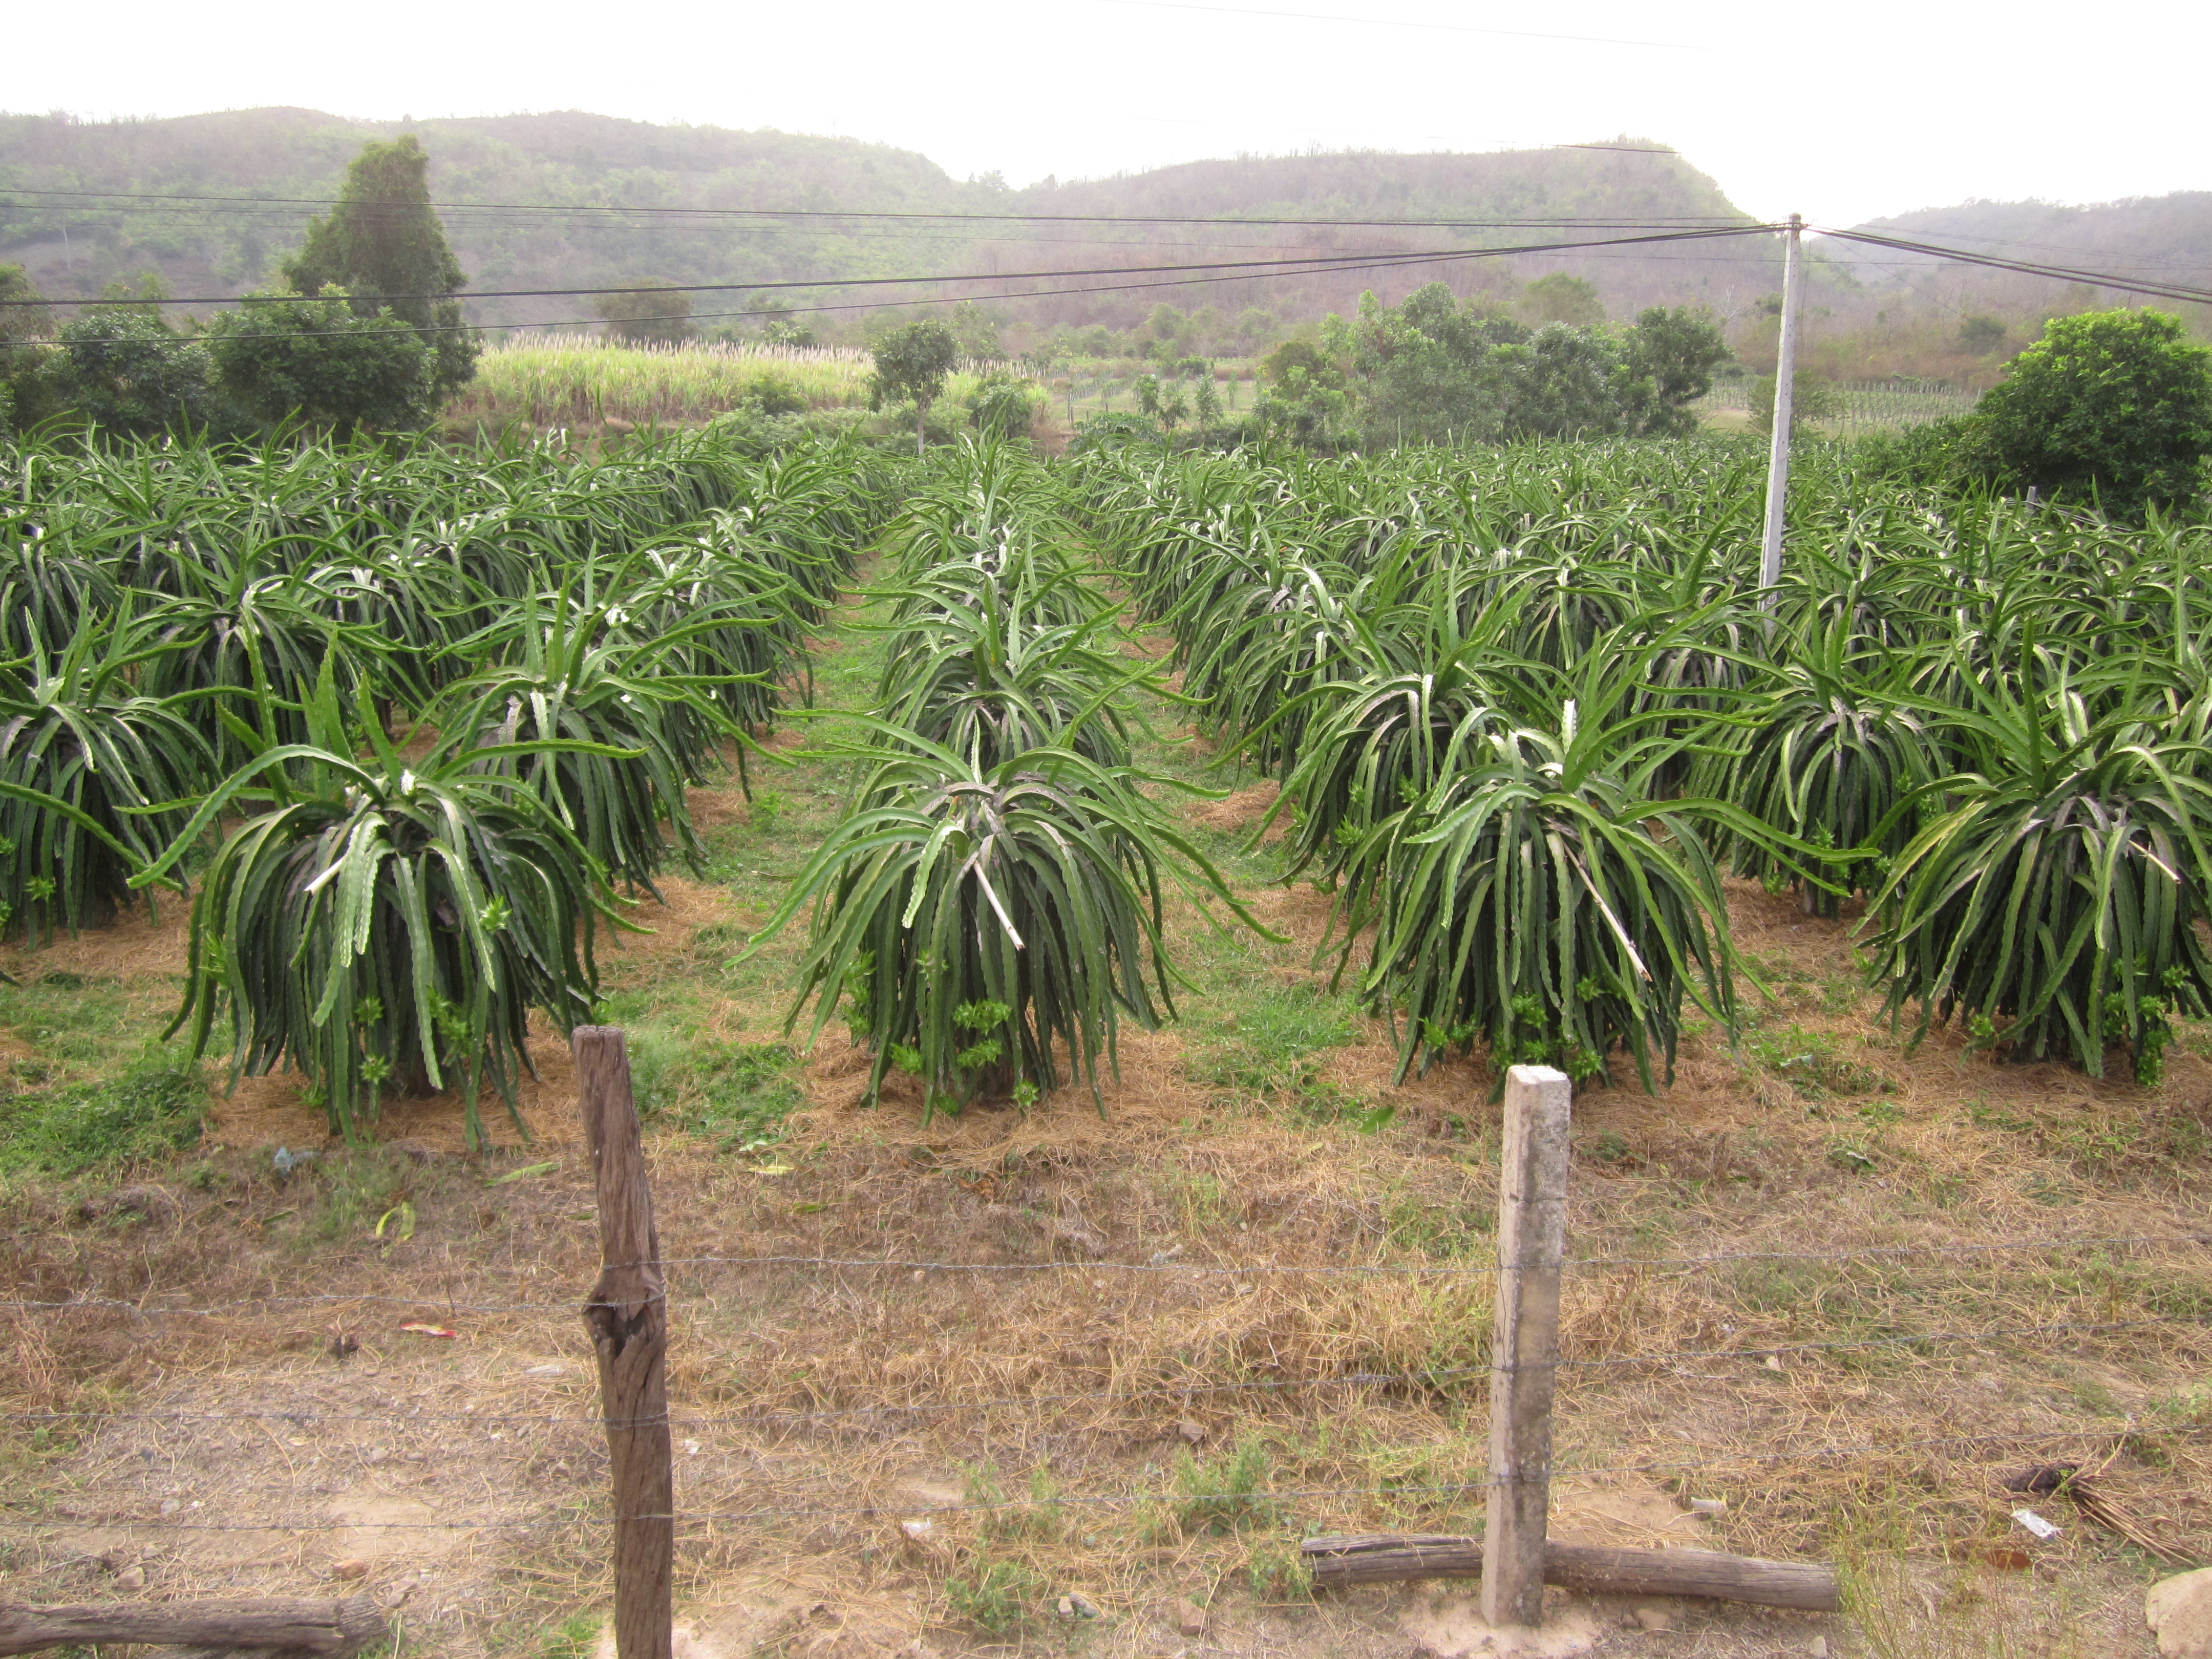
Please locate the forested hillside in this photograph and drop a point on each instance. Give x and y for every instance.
(620, 177)
(575, 200)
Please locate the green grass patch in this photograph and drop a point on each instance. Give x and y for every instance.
(153, 1114)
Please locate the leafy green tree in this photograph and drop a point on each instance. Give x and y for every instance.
(2114, 403)
(1431, 371)
(1811, 398)
(1981, 335)
(912, 366)
(324, 363)
(777, 326)
(1675, 353)
(24, 325)
(649, 312)
(976, 330)
(1306, 400)
(385, 246)
(1560, 298)
(1147, 391)
(1566, 382)
(1004, 406)
(128, 371)
(1206, 401)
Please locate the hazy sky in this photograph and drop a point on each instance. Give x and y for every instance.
(1842, 112)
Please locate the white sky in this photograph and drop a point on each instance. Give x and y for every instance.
(1844, 112)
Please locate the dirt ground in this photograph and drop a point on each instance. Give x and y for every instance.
(1080, 1379)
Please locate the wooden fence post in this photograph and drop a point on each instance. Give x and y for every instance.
(1524, 1340)
(627, 1317)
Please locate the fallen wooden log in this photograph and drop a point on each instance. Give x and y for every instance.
(339, 1629)
(1388, 1558)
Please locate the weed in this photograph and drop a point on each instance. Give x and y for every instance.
(1223, 1494)
(744, 1098)
(998, 1596)
(1439, 1229)
(1278, 1572)
(1271, 1056)
(1785, 1286)
(151, 1114)
(767, 807)
(576, 1636)
(1610, 1147)
(1809, 1063)
(357, 1186)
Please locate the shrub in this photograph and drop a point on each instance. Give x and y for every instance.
(321, 363)
(2117, 404)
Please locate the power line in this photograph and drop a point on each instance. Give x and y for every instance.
(1236, 272)
(1320, 261)
(2029, 268)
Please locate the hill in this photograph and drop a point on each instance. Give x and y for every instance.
(1921, 315)
(619, 181)
(2167, 237)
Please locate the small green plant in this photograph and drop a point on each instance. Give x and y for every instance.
(1225, 1494)
(997, 1595)
(741, 1100)
(576, 1636)
(1810, 1063)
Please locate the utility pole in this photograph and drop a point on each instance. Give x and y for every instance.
(1777, 454)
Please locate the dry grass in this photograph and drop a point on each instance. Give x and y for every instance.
(1182, 1324)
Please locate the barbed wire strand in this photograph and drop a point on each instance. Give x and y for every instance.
(1120, 1500)
(1252, 1270)
(1161, 1392)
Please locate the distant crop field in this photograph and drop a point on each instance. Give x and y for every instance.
(581, 380)
(1867, 405)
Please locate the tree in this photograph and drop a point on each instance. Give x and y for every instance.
(1206, 401)
(648, 312)
(1431, 370)
(1981, 335)
(1306, 400)
(912, 365)
(325, 364)
(976, 330)
(385, 246)
(1675, 351)
(24, 325)
(1564, 383)
(2117, 403)
(1811, 398)
(1004, 406)
(776, 326)
(129, 372)
(1560, 298)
